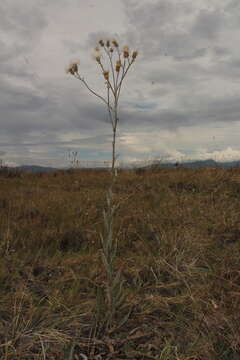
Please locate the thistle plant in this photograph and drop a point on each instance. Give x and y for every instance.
(114, 64)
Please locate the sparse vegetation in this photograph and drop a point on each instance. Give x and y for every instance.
(178, 250)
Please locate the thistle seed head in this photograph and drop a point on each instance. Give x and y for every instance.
(97, 54)
(72, 68)
(101, 42)
(118, 65)
(108, 43)
(106, 74)
(115, 43)
(134, 54)
(125, 51)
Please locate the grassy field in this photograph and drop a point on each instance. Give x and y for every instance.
(178, 234)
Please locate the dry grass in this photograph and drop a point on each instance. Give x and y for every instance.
(178, 234)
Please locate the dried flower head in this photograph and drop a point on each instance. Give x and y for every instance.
(72, 68)
(106, 74)
(108, 43)
(125, 48)
(97, 54)
(118, 65)
(101, 42)
(134, 54)
(115, 43)
(125, 51)
(111, 50)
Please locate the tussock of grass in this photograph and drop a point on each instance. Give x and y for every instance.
(178, 234)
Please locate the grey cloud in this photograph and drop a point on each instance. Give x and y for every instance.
(87, 115)
(8, 52)
(203, 109)
(22, 21)
(29, 120)
(196, 54)
(22, 110)
(208, 24)
(164, 31)
(232, 6)
(13, 99)
(19, 69)
(72, 46)
(191, 111)
(159, 91)
(93, 140)
(223, 109)
(49, 140)
(159, 119)
(221, 51)
(161, 12)
(230, 69)
(92, 115)
(171, 76)
(21, 17)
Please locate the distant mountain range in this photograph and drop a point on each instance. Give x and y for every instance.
(191, 164)
(201, 163)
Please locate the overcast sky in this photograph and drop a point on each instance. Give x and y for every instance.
(180, 101)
